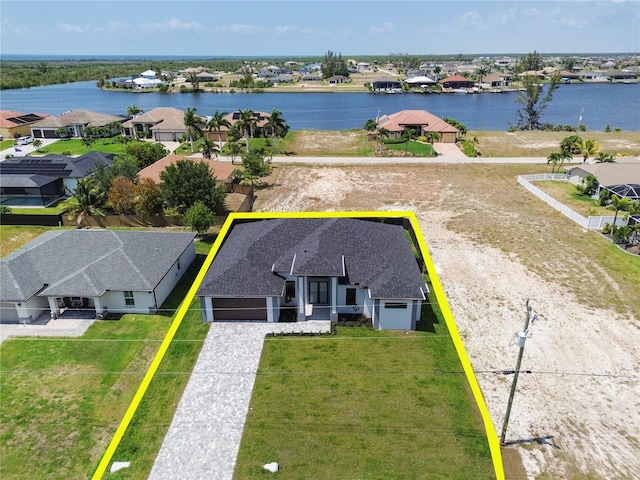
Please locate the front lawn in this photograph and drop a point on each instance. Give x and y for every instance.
(364, 404)
(416, 149)
(74, 147)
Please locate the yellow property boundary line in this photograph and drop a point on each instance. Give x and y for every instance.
(492, 437)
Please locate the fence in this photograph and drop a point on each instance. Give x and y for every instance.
(27, 219)
(591, 223)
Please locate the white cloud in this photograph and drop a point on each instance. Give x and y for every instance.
(173, 25)
(117, 26)
(242, 29)
(69, 28)
(384, 28)
(10, 28)
(284, 29)
(471, 19)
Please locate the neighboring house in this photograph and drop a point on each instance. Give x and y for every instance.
(282, 78)
(150, 74)
(311, 77)
(420, 81)
(421, 121)
(222, 171)
(39, 181)
(98, 270)
(17, 124)
(335, 79)
(141, 83)
(314, 269)
(456, 82)
(363, 66)
(495, 80)
(74, 121)
(386, 84)
(163, 124)
(207, 77)
(621, 178)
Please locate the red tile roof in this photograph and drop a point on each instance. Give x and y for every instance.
(221, 170)
(407, 118)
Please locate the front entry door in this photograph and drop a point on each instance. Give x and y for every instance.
(319, 292)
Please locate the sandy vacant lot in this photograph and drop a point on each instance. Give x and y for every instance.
(495, 246)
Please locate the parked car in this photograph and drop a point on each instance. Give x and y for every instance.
(25, 140)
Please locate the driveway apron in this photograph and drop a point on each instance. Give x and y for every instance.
(204, 436)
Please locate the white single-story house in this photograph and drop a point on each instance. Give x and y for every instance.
(621, 178)
(96, 270)
(298, 269)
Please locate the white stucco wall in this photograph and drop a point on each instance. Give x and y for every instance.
(174, 275)
(114, 302)
(8, 312)
(396, 318)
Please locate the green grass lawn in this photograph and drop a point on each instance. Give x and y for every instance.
(6, 143)
(364, 404)
(14, 236)
(417, 149)
(75, 147)
(567, 194)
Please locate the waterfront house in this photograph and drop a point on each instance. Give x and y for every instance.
(298, 269)
(96, 271)
(18, 124)
(74, 122)
(421, 121)
(163, 124)
(456, 82)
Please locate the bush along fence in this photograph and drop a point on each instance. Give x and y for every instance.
(590, 223)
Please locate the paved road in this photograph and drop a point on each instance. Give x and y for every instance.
(204, 436)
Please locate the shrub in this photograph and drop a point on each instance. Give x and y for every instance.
(621, 235)
(606, 229)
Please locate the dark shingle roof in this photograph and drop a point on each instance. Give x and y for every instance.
(56, 166)
(88, 262)
(370, 253)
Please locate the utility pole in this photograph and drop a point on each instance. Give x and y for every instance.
(522, 337)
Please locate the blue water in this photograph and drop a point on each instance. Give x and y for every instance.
(615, 104)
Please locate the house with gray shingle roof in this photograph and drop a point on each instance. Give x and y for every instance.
(314, 269)
(96, 270)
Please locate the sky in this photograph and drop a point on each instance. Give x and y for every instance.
(214, 28)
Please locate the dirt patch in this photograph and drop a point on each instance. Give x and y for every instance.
(494, 246)
(318, 143)
(541, 144)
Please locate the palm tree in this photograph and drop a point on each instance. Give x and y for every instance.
(216, 123)
(37, 143)
(407, 134)
(234, 149)
(192, 123)
(88, 199)
(605, 158)
(619, 203)
(247, 123)
(133, 110)
(433, 137)
(278, 127)
(382, 133)
(437, 71)
(587, 148)
(481, 72)
(208, 148)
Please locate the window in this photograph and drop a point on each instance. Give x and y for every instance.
(178, 264)
(351, 296)
(395, 305)
(129, 301)
(319, 292)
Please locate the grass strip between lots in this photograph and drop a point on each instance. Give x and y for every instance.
(115, 441)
